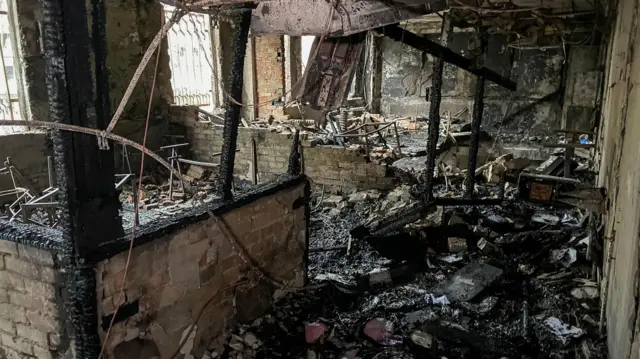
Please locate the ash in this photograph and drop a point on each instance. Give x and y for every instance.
(518, 286)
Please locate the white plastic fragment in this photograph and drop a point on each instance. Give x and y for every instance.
(442, 300)
(561, 330)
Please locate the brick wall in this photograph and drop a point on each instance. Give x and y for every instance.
(269, 73)
(28, 152)
(172, 278)
(31, 316)
(338, 168)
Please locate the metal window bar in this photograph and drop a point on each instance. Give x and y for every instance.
(9, 102)
(190, 54)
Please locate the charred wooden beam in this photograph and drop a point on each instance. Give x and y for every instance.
(421, 43)
(242, 17)
(434, 112)
(478, 109)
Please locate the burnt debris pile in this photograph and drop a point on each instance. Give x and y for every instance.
(514, 280)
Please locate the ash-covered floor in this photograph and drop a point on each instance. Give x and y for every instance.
(518, 286)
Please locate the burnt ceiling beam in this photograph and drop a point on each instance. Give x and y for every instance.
(421, 43)
(241, 16)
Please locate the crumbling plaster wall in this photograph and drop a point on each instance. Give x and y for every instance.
(619, 173)
(194, 276)
(338, 168)
(28, 152)
(537, 72)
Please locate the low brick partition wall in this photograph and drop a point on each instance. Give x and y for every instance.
(32, 316)
(339, 168)
(191, 283)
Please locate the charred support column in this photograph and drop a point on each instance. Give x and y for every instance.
(434, 111)
(241, 16)
(85, 174)
(478, 108)
(295, 165)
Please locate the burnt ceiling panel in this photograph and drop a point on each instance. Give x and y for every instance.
(319, 17)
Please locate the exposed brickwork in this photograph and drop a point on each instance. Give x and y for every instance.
(269, 73)
(174, 277)
(31, 312)
(338, 168)
(28, 152)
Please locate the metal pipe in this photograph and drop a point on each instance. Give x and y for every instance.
(367, 133)
(551, 178)
(197, 163)
(395, 129)
(50, 170)
(230, 133)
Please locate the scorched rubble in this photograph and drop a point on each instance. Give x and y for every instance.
(516, 285)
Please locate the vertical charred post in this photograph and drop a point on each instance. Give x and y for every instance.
(85, 175)
(478, 108)
(295, 165)
(434, 112)
(97, 200)
(241, 16)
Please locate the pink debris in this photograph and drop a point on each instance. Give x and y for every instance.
(381, 331)
(314, 331)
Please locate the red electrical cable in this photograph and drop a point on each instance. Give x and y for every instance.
(136, 205)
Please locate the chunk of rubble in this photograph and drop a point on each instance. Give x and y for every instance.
(380, 331)
(424, 344)
(494, 172)
(469, 282)
(488, 248)
(314, 331)
(401, 193)
(551, 165)
(420, 316)
(412, 166)
(545, 218)
(251, 340)
(517, 164)
(586, 292)
(566, 257)
(370, 195)
(332, 201)
(457, 245)
(486, 306)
